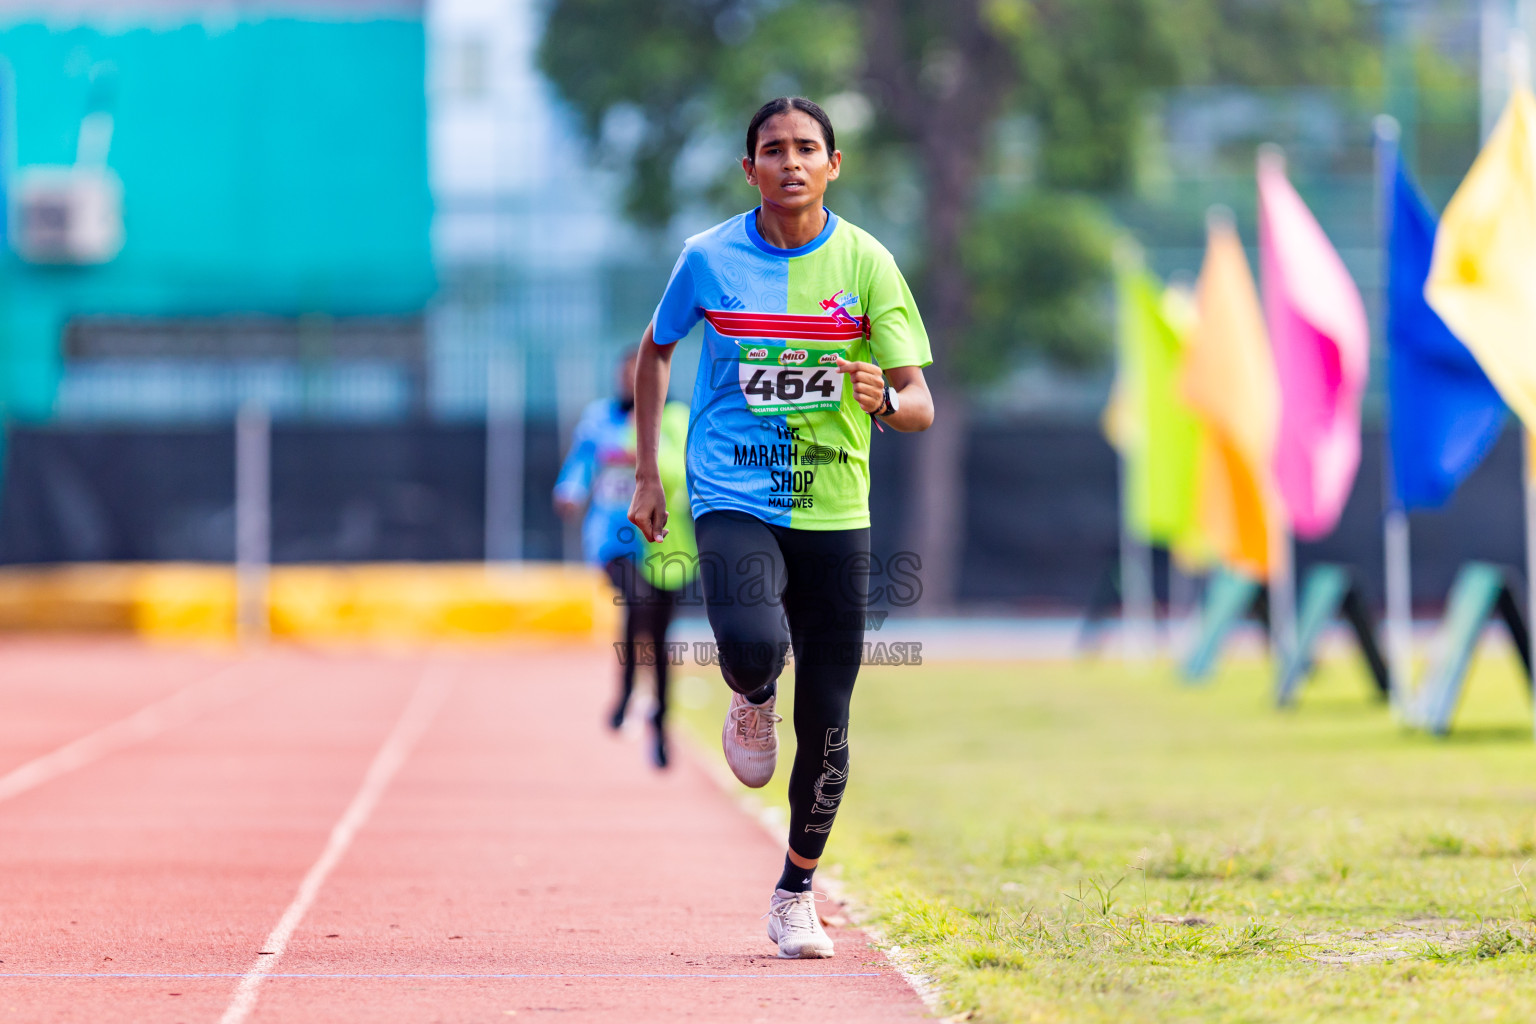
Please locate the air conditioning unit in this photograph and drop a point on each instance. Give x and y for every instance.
(66, 215)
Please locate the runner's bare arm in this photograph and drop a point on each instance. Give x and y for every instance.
(653, 371)
(916, 411)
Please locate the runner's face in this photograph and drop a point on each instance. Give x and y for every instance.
(792, 165)
(624, 380)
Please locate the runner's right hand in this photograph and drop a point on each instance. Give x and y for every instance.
(648, 509)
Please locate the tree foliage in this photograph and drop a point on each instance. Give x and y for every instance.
(649, 80)
(1039, 270)
(652, 82)
(1088, 67)
(1090, 64)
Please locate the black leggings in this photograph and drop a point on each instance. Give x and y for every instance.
(769, 589)
(647, 616)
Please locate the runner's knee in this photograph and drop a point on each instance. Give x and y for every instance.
(751, 664)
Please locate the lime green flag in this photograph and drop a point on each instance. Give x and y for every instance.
(1148, 421)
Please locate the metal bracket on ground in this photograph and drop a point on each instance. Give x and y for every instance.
(1229, 598)
(1480, 592)
(1329, 591)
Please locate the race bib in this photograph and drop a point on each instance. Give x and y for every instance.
(614, 485)
(780, 379)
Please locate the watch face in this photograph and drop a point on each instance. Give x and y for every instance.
(892, 398)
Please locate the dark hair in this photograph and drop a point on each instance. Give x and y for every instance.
(783, 105)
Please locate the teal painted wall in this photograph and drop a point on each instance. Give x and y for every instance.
(277, 166)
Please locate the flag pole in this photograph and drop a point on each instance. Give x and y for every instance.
(1282, 567)
(1399, 585)
(1138, 635)
(1528, 470)
(1137, 630)
(1518, 57)
(253, 521)
(1395, 534)
(1282, 594)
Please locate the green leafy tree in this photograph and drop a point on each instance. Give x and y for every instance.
(649, 79)
(652, 80)
(1038, 270)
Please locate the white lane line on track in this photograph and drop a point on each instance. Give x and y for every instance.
(145, 724)
(419, 711)
(759, 976)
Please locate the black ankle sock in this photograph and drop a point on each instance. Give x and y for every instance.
(761, 696)
(795, 878)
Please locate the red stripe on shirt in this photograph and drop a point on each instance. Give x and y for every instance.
(784, 325)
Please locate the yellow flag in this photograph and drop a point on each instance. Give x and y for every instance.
(1229, 380)
(1483, 278)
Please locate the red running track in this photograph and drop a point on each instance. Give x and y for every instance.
(497, 856)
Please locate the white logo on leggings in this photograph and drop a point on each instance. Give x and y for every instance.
(828, 791)
(837, 739)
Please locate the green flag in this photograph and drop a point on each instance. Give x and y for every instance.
(1148, 421)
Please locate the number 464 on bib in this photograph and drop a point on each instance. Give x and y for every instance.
(779, 379)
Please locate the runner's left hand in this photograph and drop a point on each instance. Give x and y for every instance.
(868, 383)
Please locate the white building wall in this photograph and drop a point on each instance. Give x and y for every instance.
(524, 227)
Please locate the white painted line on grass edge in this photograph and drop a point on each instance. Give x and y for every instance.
(423, 706)
(145, 724)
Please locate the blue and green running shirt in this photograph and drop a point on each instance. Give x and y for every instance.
(774, 430)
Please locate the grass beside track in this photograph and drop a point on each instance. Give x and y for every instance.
(1079, 842)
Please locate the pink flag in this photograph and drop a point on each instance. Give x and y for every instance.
(1321, 342)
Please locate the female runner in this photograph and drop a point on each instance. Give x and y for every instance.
(810, 332)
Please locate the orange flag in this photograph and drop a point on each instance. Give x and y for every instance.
(1229, 380)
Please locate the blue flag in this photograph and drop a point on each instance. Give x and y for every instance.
(1445, 415)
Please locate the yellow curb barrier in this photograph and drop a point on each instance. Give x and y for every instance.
(390, 603)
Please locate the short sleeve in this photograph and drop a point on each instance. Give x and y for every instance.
(897, 335)
(678, 310)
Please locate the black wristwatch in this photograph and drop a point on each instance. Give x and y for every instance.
(891, 404)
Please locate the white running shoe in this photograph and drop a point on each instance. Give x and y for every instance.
(750, 742)
(794, 924)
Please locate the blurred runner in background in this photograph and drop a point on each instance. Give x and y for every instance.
(599, 472)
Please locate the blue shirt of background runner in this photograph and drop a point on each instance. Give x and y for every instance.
(601, 467)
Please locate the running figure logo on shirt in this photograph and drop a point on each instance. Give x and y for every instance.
(838, 304)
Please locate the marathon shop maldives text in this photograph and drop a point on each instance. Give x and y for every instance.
(790, 476)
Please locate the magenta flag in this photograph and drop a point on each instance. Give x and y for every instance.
(1321, 342)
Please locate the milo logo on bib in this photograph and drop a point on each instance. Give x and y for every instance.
(781, 379)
